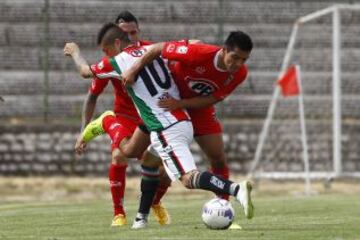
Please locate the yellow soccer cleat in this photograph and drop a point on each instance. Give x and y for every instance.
(161, 214)
(119, 220)
(95, 128)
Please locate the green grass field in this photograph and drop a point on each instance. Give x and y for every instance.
(330, 216)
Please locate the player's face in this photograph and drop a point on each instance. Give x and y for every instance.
(234, 59)
(132, 29)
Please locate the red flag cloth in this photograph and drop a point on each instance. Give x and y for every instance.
(289, 83)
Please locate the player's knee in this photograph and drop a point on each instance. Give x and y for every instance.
(151, 160)
(129, 150)
(118, 158)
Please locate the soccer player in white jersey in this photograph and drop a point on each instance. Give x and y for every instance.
(171, 131)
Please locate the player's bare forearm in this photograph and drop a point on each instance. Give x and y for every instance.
(88, 109)
(128, 77)
(73, 50)
(82, 66)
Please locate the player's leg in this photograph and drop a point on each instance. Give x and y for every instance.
(172, 145)
(137, 144)
(160, 212)
(117, 181)
(126, 146)
(152, 184)
(131, 148)
(153, 160)
(213, 146)
(149, 183)
(119, 129)
(208, 134)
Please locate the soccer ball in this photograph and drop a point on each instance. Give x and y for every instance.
(218, 214)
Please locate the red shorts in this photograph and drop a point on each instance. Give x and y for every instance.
(126, 127)
(205, 121)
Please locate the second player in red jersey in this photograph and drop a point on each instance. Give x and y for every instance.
(205, 75)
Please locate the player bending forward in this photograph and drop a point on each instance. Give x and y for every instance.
(171, 132)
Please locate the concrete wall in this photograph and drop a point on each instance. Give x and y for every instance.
(48, 150)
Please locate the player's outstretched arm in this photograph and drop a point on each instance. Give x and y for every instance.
(73, 50)
(88, 109)
(86, 116)
(196, 102)
(128, 77)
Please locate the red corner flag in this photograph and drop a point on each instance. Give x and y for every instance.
(289, 83)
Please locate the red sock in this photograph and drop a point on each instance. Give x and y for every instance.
(223, 172)
(117, 175)
(111, 127)
(160, 192)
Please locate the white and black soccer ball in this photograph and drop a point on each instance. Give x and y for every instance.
(218, 214)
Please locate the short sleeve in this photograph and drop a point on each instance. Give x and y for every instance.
(104, 69)
(180, 51)
(98, 85)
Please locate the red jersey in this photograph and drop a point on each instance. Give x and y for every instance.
(123, 104)
(195, 71)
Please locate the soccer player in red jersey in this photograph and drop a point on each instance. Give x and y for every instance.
(122, 126)
(205, 75)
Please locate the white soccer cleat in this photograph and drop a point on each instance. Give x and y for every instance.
(244, 197)
(139, 223)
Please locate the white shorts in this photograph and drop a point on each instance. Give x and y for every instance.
(173, 146)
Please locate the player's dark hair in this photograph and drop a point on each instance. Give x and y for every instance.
(126, 16)
(109, 32)
(240, 40)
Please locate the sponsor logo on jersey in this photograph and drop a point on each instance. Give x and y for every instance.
(170, 48)
(164, 96)
(182, 50)
(137, 52)
(200, 69)
(101, 65)
(201, 86)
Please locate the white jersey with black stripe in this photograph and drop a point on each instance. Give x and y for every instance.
(153, 83)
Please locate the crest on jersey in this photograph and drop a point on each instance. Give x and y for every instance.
(200, 69)
(202, 86)
(182, 49)
(101, 65)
